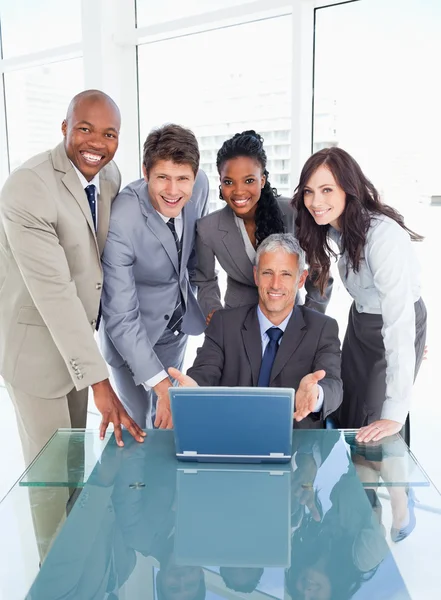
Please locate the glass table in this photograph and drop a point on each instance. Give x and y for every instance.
(89, 520)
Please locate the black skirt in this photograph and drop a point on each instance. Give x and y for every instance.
(364, 366)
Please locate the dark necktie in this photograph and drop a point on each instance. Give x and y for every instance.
(274, 334)
(91, 197)
(175, 322)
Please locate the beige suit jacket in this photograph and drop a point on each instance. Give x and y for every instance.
(51, 276)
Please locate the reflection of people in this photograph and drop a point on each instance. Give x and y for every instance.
(175, 582)
(390, 463)
(331, 557)
(54, 219)
(241, 346)
(241, 579)
(384, 341)
(231, 235)
(149, 305)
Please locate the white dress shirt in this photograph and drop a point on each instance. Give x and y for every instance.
(265, 324)
(179, 227)
(95, 181)
(249, 248)
(388, 284)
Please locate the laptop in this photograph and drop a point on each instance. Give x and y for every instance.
(233, 424)
(231, 516)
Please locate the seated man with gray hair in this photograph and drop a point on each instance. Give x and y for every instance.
(276, 343)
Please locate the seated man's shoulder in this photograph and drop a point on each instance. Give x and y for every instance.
(233, 315)
(314, 318)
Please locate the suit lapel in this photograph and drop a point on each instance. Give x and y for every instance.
(294, 333)
(252, 342)
(72, 183)
(103, 213)
(234, 244)
(158, 227)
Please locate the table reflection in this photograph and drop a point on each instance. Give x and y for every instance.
(148, 526)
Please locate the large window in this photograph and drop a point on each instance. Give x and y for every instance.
(222, 82)
(36, 103)
(149, 12)
(377, 89)
(30, 26)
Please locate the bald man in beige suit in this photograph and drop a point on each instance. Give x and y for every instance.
(54, 218)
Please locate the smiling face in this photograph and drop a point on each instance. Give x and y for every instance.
(278, 279)
(324, 198)
(242, 181)
(170, 186)
(91, 133)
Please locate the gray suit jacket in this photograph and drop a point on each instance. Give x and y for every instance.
(219, 237)
(232, 354)
(50, 276)
(142, 278)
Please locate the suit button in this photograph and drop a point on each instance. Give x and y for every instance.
(93, 322)
(166, 317)
(99, 286)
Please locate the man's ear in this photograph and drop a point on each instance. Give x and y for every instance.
(256, 277)
(302, 279)
(144, 173)
(64, 127)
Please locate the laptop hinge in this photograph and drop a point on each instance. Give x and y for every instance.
(190, 453)
(277, 454)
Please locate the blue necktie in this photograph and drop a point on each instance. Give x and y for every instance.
(91, 196)
(274, 334)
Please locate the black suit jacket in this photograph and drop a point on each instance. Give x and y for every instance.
(232, 354)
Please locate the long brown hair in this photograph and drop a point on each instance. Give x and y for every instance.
(362, 204)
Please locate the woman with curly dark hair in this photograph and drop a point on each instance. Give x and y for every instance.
(384, 342)
(231, 235)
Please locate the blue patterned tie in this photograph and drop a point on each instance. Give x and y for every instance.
(274, 334)
(175, 322)
(91, 196)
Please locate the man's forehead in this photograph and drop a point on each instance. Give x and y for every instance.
(84, 107)
(279, 257)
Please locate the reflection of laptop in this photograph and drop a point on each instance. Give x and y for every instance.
(233, 517)
(240, 424)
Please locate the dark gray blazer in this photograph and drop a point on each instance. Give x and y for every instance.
(142, 278)
(232, 354)
(217, 236)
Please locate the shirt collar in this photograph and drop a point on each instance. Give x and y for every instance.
(265, 323)
(166, 219)
(95, 181)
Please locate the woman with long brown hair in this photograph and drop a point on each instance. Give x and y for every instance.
(384, 342)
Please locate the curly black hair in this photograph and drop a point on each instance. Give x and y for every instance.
(268, 215)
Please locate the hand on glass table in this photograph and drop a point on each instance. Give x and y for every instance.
(112, 411)
(378, 430)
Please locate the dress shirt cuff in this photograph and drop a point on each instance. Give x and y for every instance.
(154, 380)
(395, 411)
(319, 405)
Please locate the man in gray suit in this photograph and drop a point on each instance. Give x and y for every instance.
(54, 216)
(275, 343)
(148, 303)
